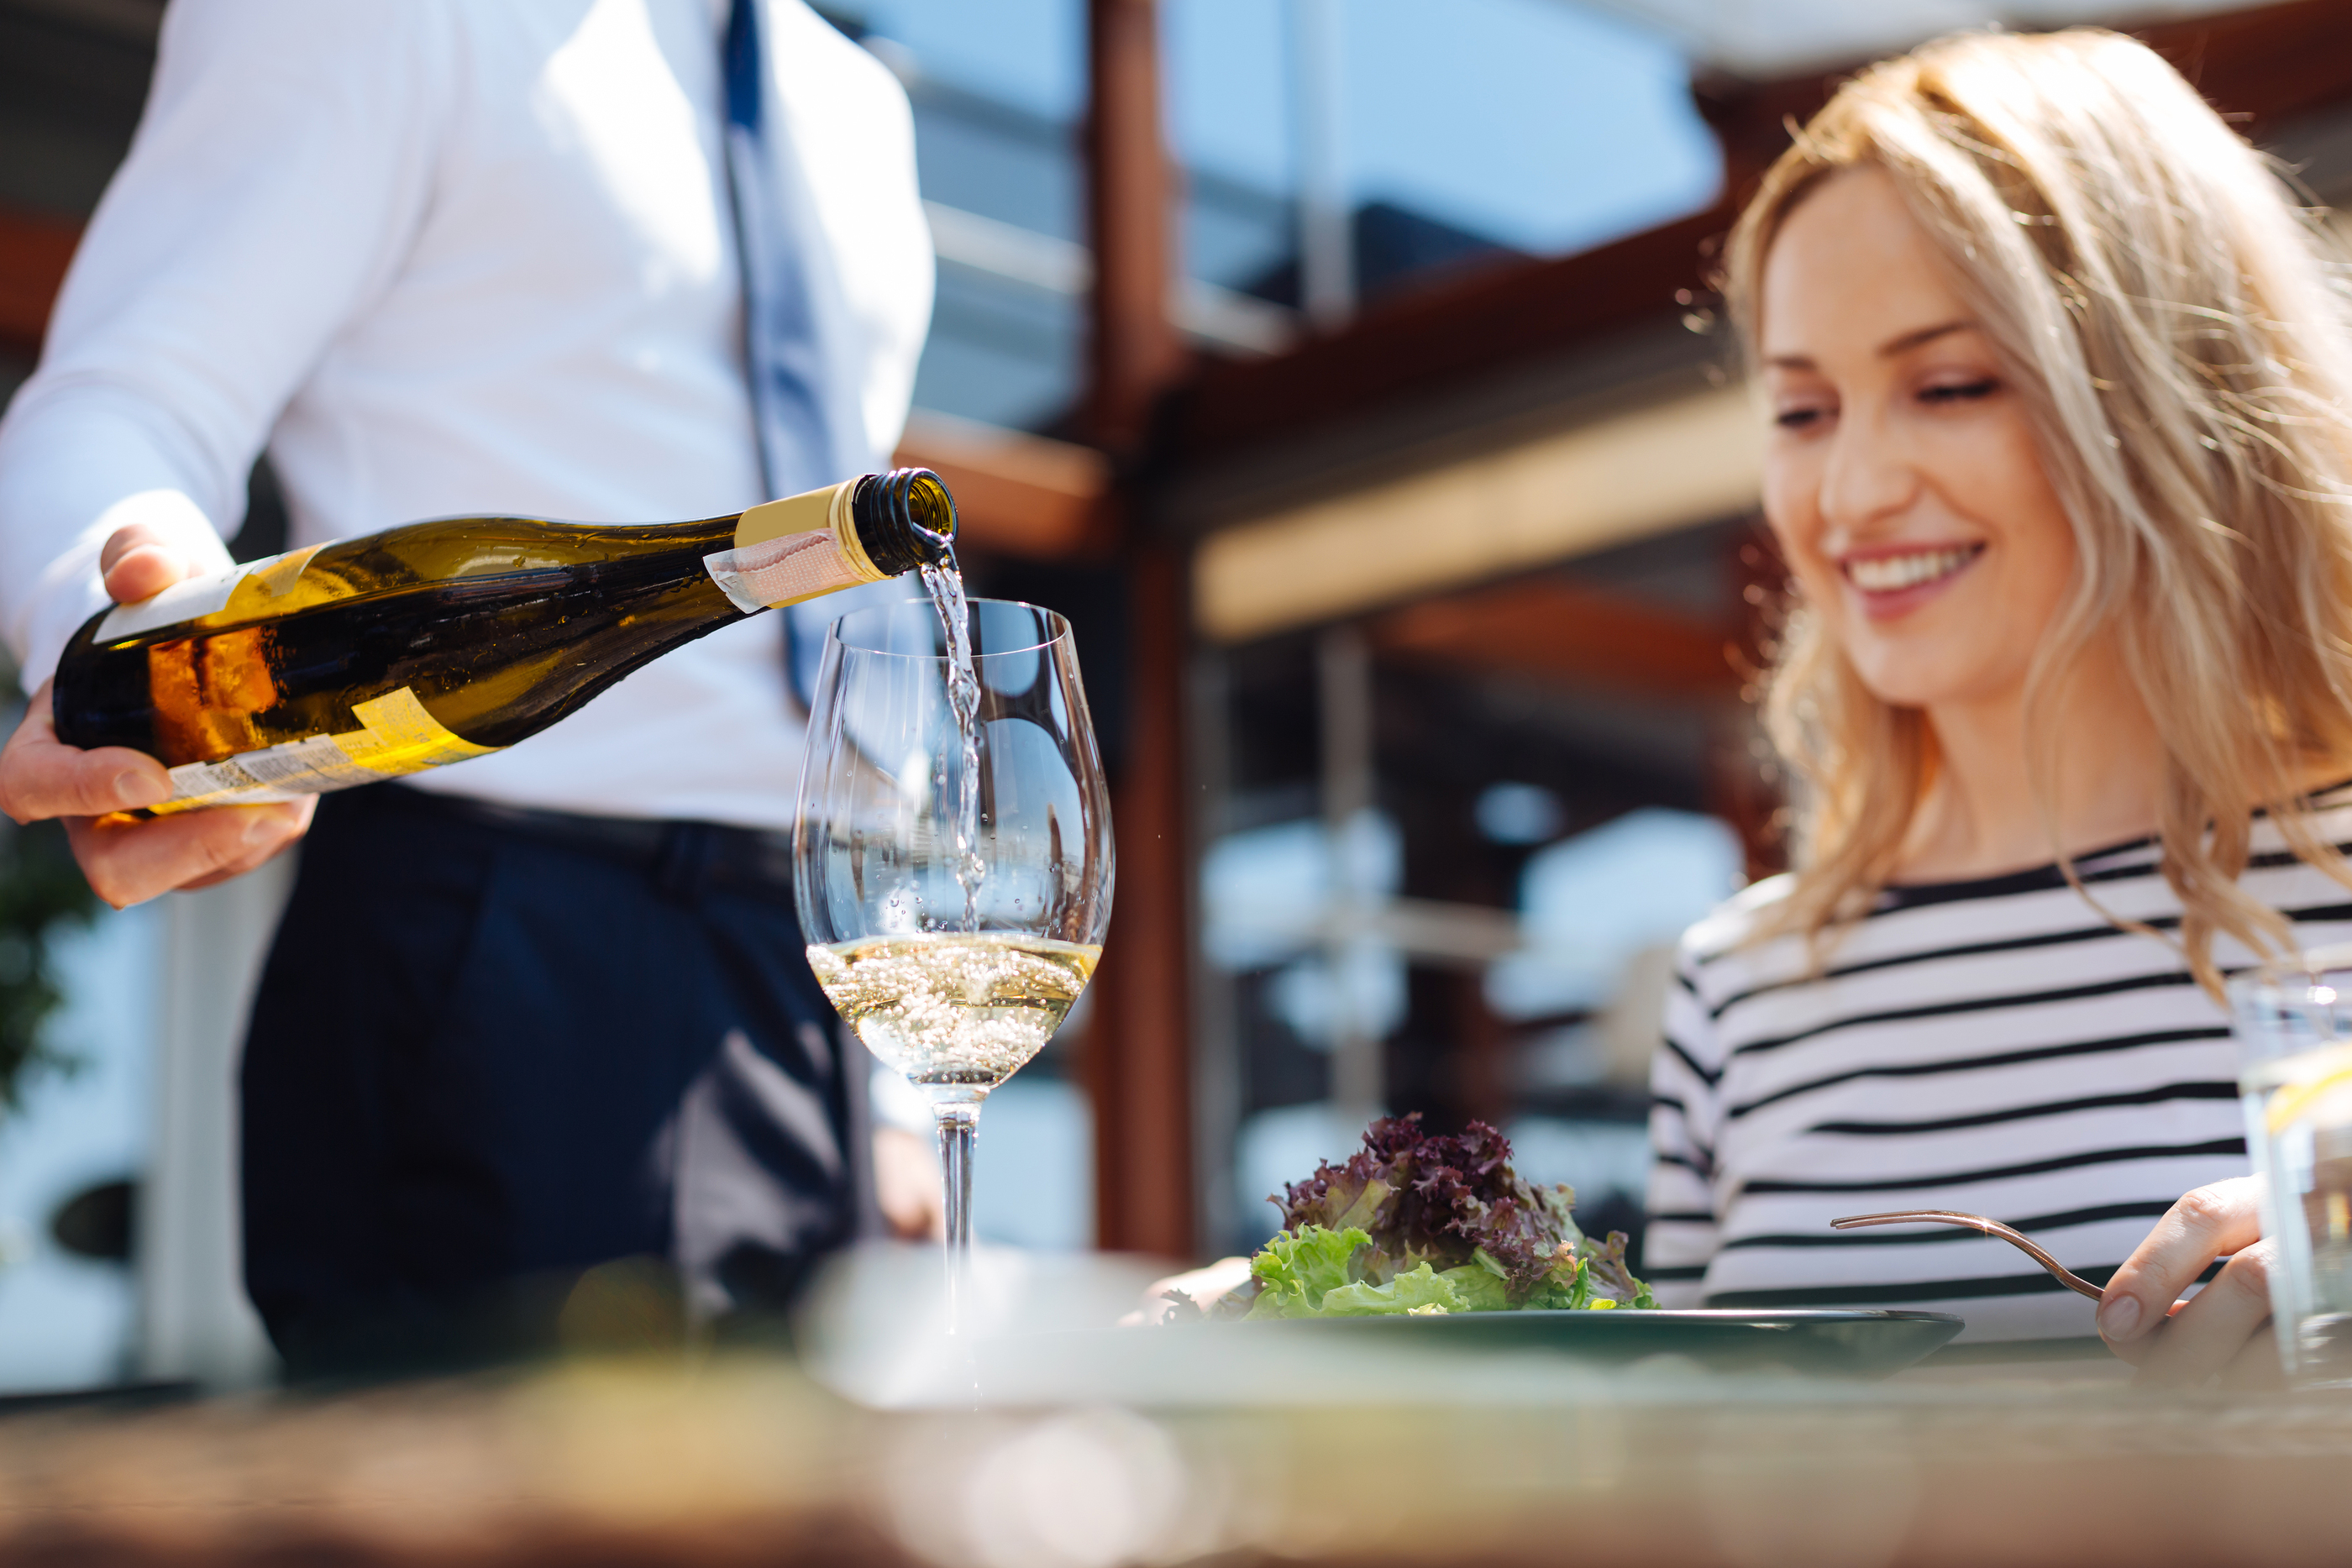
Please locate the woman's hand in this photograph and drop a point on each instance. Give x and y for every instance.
(906, 1186)
(126, 859)
(2225, 1328)
(1205, 1287)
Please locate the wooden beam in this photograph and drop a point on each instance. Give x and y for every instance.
(1554, 629)
(1692, 460)
(33, 251)
(1136, 350)
(1138, 1046)
(1016, 494)
(1138, 1049)
(1497, 317)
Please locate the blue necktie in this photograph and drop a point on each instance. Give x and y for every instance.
(780, 339)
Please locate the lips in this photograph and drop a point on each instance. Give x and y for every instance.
(1895, 582)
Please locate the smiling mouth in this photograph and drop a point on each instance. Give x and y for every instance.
(1894, 573)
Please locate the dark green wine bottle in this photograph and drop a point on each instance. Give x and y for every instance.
(429, 644)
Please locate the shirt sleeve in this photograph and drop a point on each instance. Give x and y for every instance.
(278, 173)
(1682, 1235)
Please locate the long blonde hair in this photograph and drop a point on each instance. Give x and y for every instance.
(2186, 352)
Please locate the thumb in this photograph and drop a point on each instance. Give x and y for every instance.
(141, 562)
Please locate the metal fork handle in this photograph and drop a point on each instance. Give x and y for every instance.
(2059, 1271)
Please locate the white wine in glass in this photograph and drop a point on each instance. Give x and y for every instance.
(954, 942)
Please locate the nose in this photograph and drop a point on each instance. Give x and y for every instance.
(1868, 476)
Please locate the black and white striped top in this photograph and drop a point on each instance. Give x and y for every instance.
(1993, 1046)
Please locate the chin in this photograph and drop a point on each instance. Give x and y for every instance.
(1904, 684)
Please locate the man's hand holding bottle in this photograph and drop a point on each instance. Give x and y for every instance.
(128, 860)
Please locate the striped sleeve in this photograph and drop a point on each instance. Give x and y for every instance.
(1683, 1233)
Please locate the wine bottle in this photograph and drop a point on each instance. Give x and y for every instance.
(433, 643)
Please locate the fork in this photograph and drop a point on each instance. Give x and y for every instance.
(2062, 1274)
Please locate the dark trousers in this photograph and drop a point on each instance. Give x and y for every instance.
(489, 1055)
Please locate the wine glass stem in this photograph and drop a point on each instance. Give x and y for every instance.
(958, 1134)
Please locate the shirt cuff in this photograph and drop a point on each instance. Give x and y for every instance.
(70, 592)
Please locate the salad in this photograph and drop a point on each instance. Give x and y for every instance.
(1423, 1224)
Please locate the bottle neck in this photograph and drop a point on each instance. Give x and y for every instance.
(867, 529)
(903, 520)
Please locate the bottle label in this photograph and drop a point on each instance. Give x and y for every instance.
(397, 736)
(781, 571)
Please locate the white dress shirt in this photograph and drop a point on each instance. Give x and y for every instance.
(450, 256)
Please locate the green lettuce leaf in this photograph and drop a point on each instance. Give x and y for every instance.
(1298, 1268)
(1420, 1290)
(1481, 1283)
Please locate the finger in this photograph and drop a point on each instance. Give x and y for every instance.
(2204, 1225)
(265, 848)
(2255, 1369)
(126, 538)
(128, 862)
(41, 776)
(2210, 1332)
(139, 562)
(1160, 1297)
(1205, 1285)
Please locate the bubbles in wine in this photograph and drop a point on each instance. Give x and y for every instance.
(957, 1013)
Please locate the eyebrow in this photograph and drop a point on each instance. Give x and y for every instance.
(1886, 351)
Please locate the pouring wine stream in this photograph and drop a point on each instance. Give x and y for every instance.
(959, 1124)
(944, 582)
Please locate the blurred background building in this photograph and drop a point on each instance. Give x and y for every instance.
(1345, 369)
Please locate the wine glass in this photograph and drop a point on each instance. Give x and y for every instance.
(954, 954)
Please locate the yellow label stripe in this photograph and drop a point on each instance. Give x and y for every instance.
(402, 737)
(399, 736)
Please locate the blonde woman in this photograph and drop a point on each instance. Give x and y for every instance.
(2060, 462)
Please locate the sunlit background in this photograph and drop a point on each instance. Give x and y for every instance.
(1425, 881)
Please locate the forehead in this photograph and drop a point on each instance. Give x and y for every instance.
(1850, 267)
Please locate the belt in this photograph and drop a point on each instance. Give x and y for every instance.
(682, 858)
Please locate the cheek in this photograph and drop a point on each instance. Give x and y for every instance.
(2014, 492)
(2003, 465)
(1817, 577)
(1790, 511)
(2048, 558)
(1790, 489)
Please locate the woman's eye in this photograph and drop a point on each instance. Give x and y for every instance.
(1959, 391)
(1797, 418)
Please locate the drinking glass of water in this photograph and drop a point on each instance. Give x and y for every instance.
(952, 852)
(2293, 1026)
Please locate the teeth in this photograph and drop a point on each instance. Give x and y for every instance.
(1887, 573)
